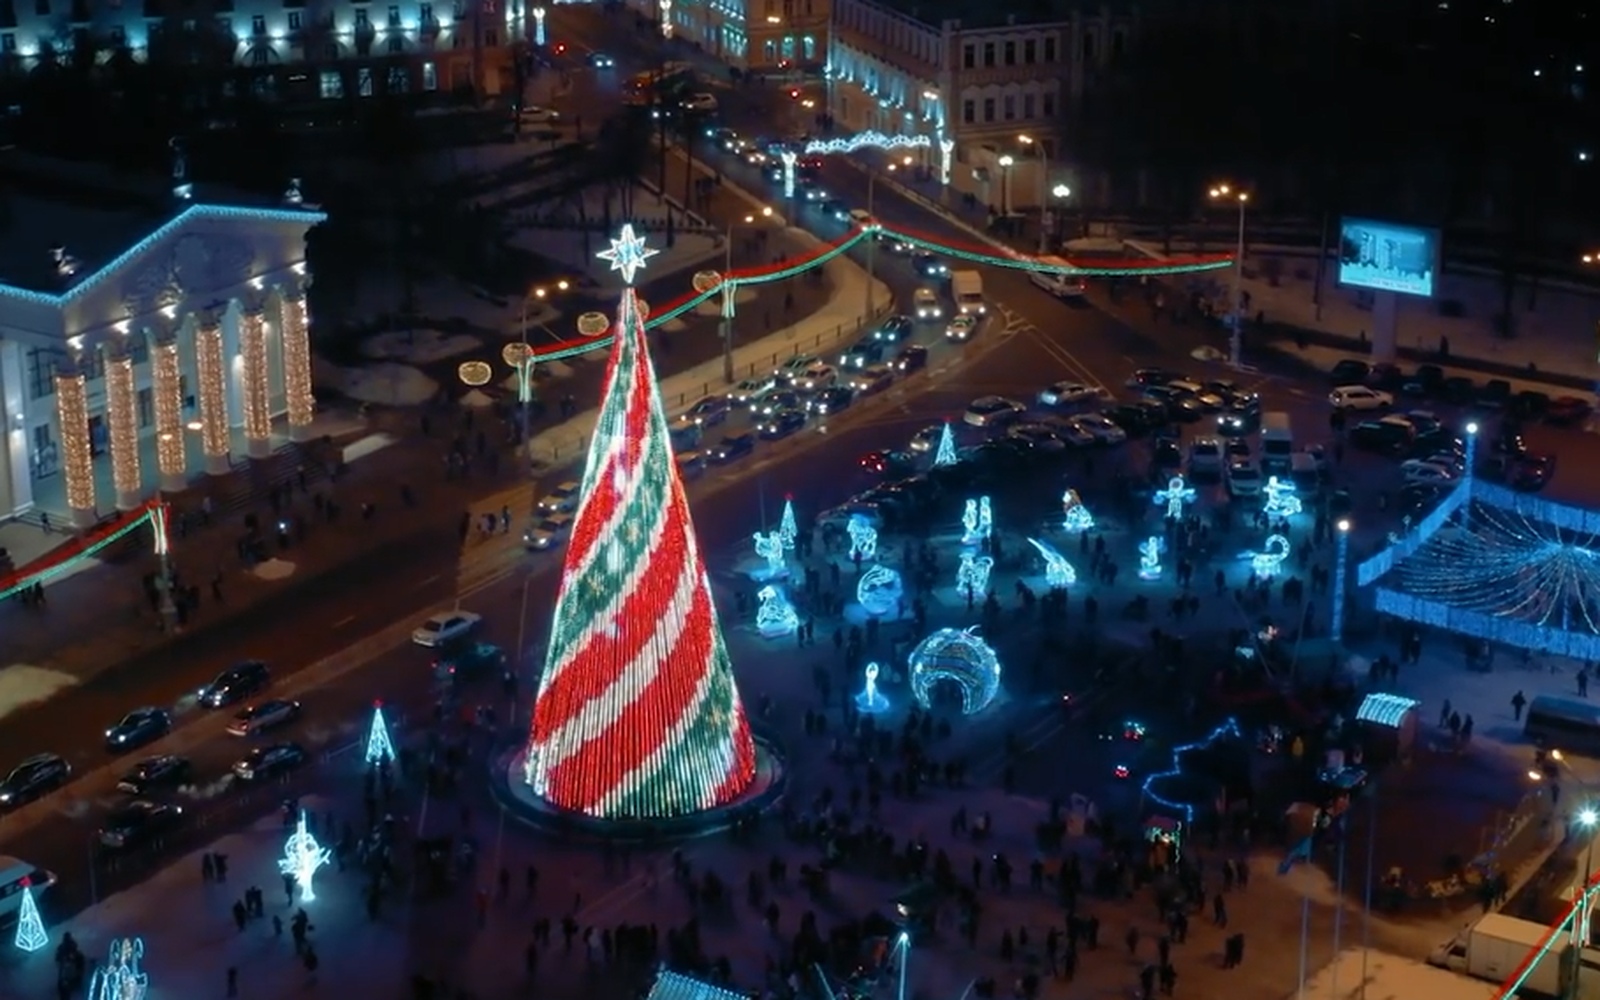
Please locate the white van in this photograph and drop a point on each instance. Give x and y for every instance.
(1061, 284)
(967, 288)
(16, 875)
(1277, 443)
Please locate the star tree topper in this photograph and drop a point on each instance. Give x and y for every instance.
(628, 253)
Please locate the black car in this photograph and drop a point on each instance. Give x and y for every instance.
(1167, 452)
(831, 401)
(1425, 381)
(1438, 442)
(267, 762)
(1186, 410)
(894, 330)
(474, 660)
(910, 359)
(1458, 389)
(1532, 473)
(835, 208)
(772, 402)
(783, 423)
(887, 463)
(1530, 405)
(929, 266)
(1239, 420)
(732, 447)
(138, 727)
(1495, 394)
(152, 773)
(38, 775)
(864, 352)
(139, 822)
(1382, 438)
(236, 683)
(1417, 499)
(1349, 372)
(1138, 417)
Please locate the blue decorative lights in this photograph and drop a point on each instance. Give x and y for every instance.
(977, 521)
(787, 527)
(302, 856)
(1177, 494)
(871, 701)
(863, 538)
(972, 575)
(945, 454)
(380, 749)
(627, 254)
(1266, 563)
(776, 616)
(31, 935)
(880, 591)
(1074, 515)
(770, 547)
(121, 978)
(1150, 557)
(960, 656)
(1282, 499)
(1058, 573)
(1229, 730)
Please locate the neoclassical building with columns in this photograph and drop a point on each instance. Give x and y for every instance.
(170, 358)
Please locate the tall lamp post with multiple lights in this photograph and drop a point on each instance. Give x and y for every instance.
(1223, 192)
(1044, 183)
(730, 287)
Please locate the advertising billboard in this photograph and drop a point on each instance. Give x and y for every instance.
(1388, 257)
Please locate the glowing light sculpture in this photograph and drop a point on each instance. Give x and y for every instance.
(1229, 730)
(880, 591)
(1176, 496)
(863, 538)
(871, 701)
(1074, 515)
(978, 521)
(945, 454)
(960, 656)
(789, 158)
(776, 616)
(302, 856)
(538, 26)
(972, 575)
(637, 714)
(947, 151)
(787, 526)
(865, 140)
(1282, 500)
(31, 935)
(1058, 573)
(1269, 560)
(121, 978)
(770, 547)
(380, 749)
(1150, 557)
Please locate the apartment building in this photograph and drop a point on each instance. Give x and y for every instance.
(757, 36)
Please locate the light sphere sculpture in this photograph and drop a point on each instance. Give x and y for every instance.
(475, 373)
(515, 353)
(954, 655)
(705, 281)
(880, 591)
(593, 324)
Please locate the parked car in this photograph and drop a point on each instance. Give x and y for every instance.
(1567, 411)
(561, 500)
(236, 683)
(988, 411)
(1145, 377)
(733, 447)
(1070, 394)
(707, 412)
(139, 822)
(156, 773)
(1458, 389)
(1425, 381)
(1244, 478)
(1359, 397)
(873, 380)
(1530, 405)
(783, 423)
(477, 659)
(1379, 437)
(33, 778)
(831, 401)
(1045, 439)
(1104, 430)
(269, 761)
(1532, 473)
(1206, 457)
(886, 463)
(1349, 371)
(549, 531)
(913, 357)
(927, 439)
(1138, 417)
(445, 627)
(266, 715)
(138, 727)
(1495, 394)
(1419, 470)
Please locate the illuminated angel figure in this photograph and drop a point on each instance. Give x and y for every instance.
(776, 616)
(1269, 560)
(977, 521)
(302, 856)
(770, 548)
(1150, 557)
(863, 538)
(972, 576)
(1075, 516)
(121, 978)
(1282, 499)
(871, 701)
(1175, 496)
(1058, 573)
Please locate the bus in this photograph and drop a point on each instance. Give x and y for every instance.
(669, 83)
(1565, 724)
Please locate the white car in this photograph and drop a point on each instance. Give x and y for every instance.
(445, 627)
(267, 714)
(1050, 440)
(1244, 478)
(862, 218)
(961, 329)
(562, 499)
(752, 388)
(791, 370)
(548, 531)
(1206, 457)
(818, 375)
(1421, 470)
(927, 439)
(706, 103)
(986, 411)
(925, 302)
(1069, 394)
(1104, 429)
(534, 114)
(1359, 397)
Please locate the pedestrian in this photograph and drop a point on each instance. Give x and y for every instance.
(277, 926)
(239, 915)
(288, 891)
(219, 862)
(208, 871)
(1132, 940)
(233, 981)
(1519, 701)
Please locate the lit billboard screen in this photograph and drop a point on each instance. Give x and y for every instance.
(1387, 257)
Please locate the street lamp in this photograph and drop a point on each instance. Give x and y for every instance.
(1223, 192)
(538, 26)
(1005, 183)
(1586, 818)
(1341, 558)
(1472, 447)
(728, 288)
(1061, 193)
(1044, 182)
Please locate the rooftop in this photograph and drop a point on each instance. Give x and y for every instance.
(986, 14)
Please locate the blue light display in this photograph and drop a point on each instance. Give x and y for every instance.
(880, 591)
(946, 455)
(1074, 515)
(1281, 499)
(787, 526)
(863, 538)
(302, 856)
(1150, 557)
(380, 750)
(1229, 730)
(776, 616)
(977, 521)
(871, 701)
(972, 575)
(1266, 563)
(1177, 494)
(628, 253)
(121, 978)
(31, 935)
(1058, 573)
(770, 548)
(1388, 257)
(960, 656)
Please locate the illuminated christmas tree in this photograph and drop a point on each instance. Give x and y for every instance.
(31, 935)
(380, 749)
(946, 452)
(637, 714)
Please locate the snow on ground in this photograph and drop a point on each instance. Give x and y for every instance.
(477, 399)
(22, 685)
(385, 383)
(274, 569)
(418, 347)
(445, 298)
(367, 445)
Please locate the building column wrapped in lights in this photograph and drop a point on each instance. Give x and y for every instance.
(77, 453)
(256, 380)
(211, 368)
(296, 339)
(122, 415)
(166, 390)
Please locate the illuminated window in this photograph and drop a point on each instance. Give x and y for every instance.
(330, 84)
(399, 80)
(430, 76)
(394, 17)
(294, 20)
(8, 43)
(361, 18)
(364, 81)
(258, 25)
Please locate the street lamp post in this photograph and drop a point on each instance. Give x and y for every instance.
(1340, 561)
(1235, 344)
(872, 244)
(1044, 184)
(1062, 193)
(728, 290)
(1006, 162)
(1586, 818)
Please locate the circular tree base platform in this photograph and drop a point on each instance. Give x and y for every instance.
(511, 791)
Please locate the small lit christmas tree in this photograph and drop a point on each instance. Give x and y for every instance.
(787, 526)
(946, 452)
(31, 935)
(380, 750)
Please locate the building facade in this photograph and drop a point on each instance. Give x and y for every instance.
(995, 86)
(279, 49)
(162, 364)
(756, 36)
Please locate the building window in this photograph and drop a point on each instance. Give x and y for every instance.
(969, 56)
(1030, 54)
(988, 109)
(809, 46)
(258, 25)
(330, 84)
(988, 53)
(147, 406)
(364, 81)
(396, 44)
(1011, 53)
(1010, 106)
(331, 51)
(42, 372)
(8, 43)
(260, 55)
(399, 80)
(1049, 48)
(224, 25)
(1027, 106)
(491, 38)
(294, 20)
(1088, 46)
(969, 112)
(1048, 101)
(394, 17)
(430, 76)
(119, 36)
(264, 86)
(361, 18)
(42, 8)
